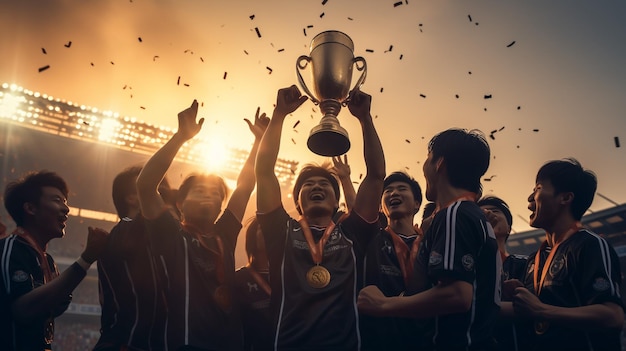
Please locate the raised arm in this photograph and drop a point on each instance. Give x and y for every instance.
(268, 189)
(342, 170)
(48, 297)
(367, 202)
(153, 172)
(246, 180)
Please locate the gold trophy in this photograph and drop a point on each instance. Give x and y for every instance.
(331, 59)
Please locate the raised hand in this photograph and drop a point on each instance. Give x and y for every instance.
(341, 167)
(187, 126)
(289, 99)
(260, 124)
(360, 104)
(96, 243)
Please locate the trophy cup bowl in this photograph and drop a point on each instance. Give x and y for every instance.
(332, 60)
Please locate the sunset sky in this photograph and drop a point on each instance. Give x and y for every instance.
(554, 70)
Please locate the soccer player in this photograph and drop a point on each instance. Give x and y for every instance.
(458, 255)
(195, 253)
(314, 262)
(32, 292)
(571, 286)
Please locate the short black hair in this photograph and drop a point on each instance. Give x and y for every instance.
(124, 184)
(500, 204)
(568, 175)
(29, 189)
(312, 170)
(466, 155)
(405, 178)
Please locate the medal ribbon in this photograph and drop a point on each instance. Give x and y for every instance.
(259, 280)
(405, 257)
(538, 283)
(219, 261)
(317, 250)
(48, 273)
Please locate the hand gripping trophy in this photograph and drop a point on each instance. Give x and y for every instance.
(331, 59)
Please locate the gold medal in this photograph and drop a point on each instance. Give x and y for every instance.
(222, 297)
(318, 277)
(541, 327)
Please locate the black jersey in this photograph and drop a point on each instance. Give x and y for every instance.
(510, 335)
(310, 318)
(21, 273)
(584, 270)
(197, 282)
(254, 302)
(133, 310)
(383, 269)
(461, 245)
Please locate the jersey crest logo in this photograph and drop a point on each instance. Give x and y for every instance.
(557, 265)
(252, 286)
(334, 237)
(435, 258)
(387, 247)
(601, 284)
(468, 262)
(19, 276)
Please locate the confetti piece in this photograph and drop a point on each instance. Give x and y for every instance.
(423, 96)
(519, 107)
(258, 33)
(186, 84)
(492, 137)
(501, 129)
(513, 42)
(281, 50)
(456, 96)
(296, 124)
(488, 96)
(381, 90)
(92, 64)
(44, 51)
(69, 43)
(41, 69)
(489, 179)
(350, 19)
(155, 57)
(494, 131)
(245, 52)
(178, 81)
(485, 109)
(470, 17)
(201, 59)
(293, 141)
(616, 139)
(369, 50)
(361, 176)
(407, 141)
(304, 31)
(225, 74)
(310, 26)
(470, 72)
(140, 40)
(397, 4)
(390, 48)
(141, 107)
(535, 130)
(324, 2)
(401, 56)
(270, 70)
(251, 17)
(112, 63)
(86, 123)
(322, 15)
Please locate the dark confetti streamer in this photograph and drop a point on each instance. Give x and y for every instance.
(293, 141)
(310, 26)
(304, 31)
(423, 96)
(470, 72)
(178, 81)
(44, 51)
(492, 137)
(616, 139)
(513, 42)
(69, 43)
(225, 74)
(201, 59)
(155, 57)
(322, 15)
(397, 4)
(350, 19)
(470, 17)
(407, 141)
(113, 63)
(186, 84)
(535, 130)
(488, 96)
(381, 90)
(369, 50)
(324, 2)
(360, 176)
(245, 52)
(141, 107)
(494, 131)
(92, 64)
(456, 96)
(281, 50)
(296, 124)
(251, 17)
(140, 40)
(258, 33)
(401, 56)
(41, 69)
(270, 70)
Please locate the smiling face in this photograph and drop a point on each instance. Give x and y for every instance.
(203, 203)
(502, 229)
(398, 201)
(544, 205)
(50, 213)
(430, 174)
(317, 197)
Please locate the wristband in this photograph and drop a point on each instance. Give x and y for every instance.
(83, 264)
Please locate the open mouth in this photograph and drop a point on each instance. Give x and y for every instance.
(395, 202)
(316, 196)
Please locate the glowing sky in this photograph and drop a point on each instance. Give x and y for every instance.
(555, 66)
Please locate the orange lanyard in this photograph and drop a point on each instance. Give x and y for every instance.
(48, 273)
(317, 249)
(219, 261)
(538, 284)
(405, 257)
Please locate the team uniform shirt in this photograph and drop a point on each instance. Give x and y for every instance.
(133, 307)
(197, 274)
(21, 273)
(311, 318)
(254, 302)
(584, 270)
(460, 245)
(509, 335)
(383, 269)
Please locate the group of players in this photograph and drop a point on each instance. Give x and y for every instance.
(364, 277)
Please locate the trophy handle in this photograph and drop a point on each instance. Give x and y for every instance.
(361, 80)
(300, 66)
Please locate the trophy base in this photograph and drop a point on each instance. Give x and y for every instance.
(329, 142)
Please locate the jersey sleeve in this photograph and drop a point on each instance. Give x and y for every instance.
(360, 231)
(228, 227)
(274, 226)
(455, 244)
(599, 274)
(17, 274)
